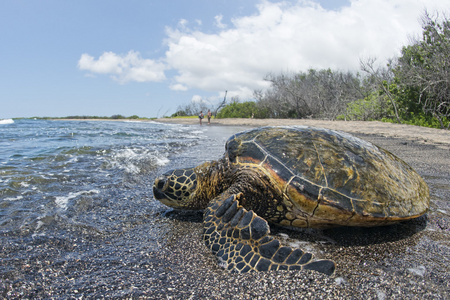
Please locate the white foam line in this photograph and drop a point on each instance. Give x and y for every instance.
(6, 121)
(62, 201)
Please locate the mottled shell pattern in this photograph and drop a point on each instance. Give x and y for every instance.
(331, 178)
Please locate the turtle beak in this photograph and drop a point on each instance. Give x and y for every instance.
(158, 187)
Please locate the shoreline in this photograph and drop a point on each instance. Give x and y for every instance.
(424, 135)
(419, 134)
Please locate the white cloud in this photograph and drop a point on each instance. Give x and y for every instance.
(197, 99)
(292, 37)
(124, 68)
(178, 87)
(281, 36)
(183, 23)
(107, 63)
(219, 23)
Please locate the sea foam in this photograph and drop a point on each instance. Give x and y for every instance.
(6, 121)
(62, 201)
(137, 160)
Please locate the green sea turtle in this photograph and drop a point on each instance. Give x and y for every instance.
(294, 177)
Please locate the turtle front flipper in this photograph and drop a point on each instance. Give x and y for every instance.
(240, 240)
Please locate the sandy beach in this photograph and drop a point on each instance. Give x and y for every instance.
(409, 260)
(414, 133)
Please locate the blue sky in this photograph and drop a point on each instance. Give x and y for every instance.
(106, 57)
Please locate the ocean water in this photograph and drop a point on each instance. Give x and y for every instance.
(57, 169)
(67, 188)
(49, 169)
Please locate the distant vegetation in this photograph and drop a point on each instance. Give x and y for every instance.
(412, 89)
(113, 117)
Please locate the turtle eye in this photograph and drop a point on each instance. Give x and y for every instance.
(161, 182)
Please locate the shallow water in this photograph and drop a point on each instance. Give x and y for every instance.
(53, 169)
(78, 219)
(68, 189)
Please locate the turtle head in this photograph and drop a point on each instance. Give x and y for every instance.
(181, 188)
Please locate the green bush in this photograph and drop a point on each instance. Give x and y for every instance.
(373, 107)
(421, 120)
(240, 110)
(179, 113)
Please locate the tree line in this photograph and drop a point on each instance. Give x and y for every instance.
(413, 88)
(86, 117)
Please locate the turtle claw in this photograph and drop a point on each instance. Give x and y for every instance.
(240, 240)
(323, 266)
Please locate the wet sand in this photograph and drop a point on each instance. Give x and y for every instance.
(409, 260)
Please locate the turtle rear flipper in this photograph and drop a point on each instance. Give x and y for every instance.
(240, 240)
